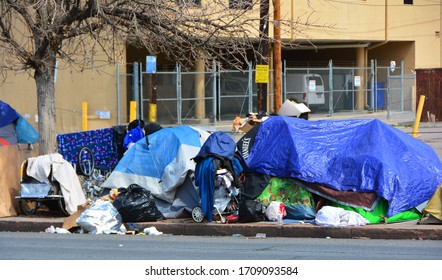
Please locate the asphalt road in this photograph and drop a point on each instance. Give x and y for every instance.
(44, 246)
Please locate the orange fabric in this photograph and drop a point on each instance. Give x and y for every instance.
(3, 142)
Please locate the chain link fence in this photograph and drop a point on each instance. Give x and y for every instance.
(216, 95)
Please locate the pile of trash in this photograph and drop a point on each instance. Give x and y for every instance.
(115, 213)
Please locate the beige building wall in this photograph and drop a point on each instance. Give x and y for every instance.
(336, 20)
(97, 87)
(371, 22)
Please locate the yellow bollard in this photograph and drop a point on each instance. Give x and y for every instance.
(420, 107)
(152, 112)
(84, 115)
(133, 111)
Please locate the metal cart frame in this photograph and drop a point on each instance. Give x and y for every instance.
(34, 194)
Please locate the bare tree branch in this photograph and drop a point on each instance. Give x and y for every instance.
(34, 34)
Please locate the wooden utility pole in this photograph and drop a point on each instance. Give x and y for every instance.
(277, 54)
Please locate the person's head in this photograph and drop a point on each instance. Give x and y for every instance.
(151, 127)
(133, 124)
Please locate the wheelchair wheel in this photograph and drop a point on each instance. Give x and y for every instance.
(85, 161)
(197, 214)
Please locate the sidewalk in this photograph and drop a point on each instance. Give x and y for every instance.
(405, 230)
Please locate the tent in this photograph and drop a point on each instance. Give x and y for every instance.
(160, 163)
(349, 155)
(14, 129)
(256, 182)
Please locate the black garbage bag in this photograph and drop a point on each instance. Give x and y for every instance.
(136, 204)
(250, 211)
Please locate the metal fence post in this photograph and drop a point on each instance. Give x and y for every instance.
(214, 91)
(179, 96)
(135, 85)
(218, 84)
(141, 90)
(284, 82)
(250, 87)
(388, 94)
(372, 85)
(330, 81)
(402, 86)
(118, 95)
(376, 84)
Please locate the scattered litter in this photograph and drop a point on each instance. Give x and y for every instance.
(50, 229)
(152, 231)
(236, 235)
(261, 235)
(111, 231)
(131, 227)
(53, 229)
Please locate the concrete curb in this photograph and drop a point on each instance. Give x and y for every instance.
(407, 230)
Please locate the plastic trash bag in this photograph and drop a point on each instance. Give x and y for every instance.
(275, 211)
(251, 211)
(334, 216)
(101, 217)
(136, 204)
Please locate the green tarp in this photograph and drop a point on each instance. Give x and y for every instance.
(299, 203)
(378, 215)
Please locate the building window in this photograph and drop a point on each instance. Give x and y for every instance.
(409, 2)
(240, 4)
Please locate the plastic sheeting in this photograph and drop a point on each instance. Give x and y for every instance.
(219, 144)
(356, 155)
(7, 114)
(14, 129)
(101, 217)
(161, 163)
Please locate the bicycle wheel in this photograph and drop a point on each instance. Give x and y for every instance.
(85, 161)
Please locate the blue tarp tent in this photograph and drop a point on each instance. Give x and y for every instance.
(14, 129)
(349, 155)
(161, 163)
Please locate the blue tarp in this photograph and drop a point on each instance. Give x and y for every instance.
(24, 132)
(218, 144)
(7, 114)
(159, 164)
(356, 155)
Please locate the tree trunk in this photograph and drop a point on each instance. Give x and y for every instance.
(44, 79)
